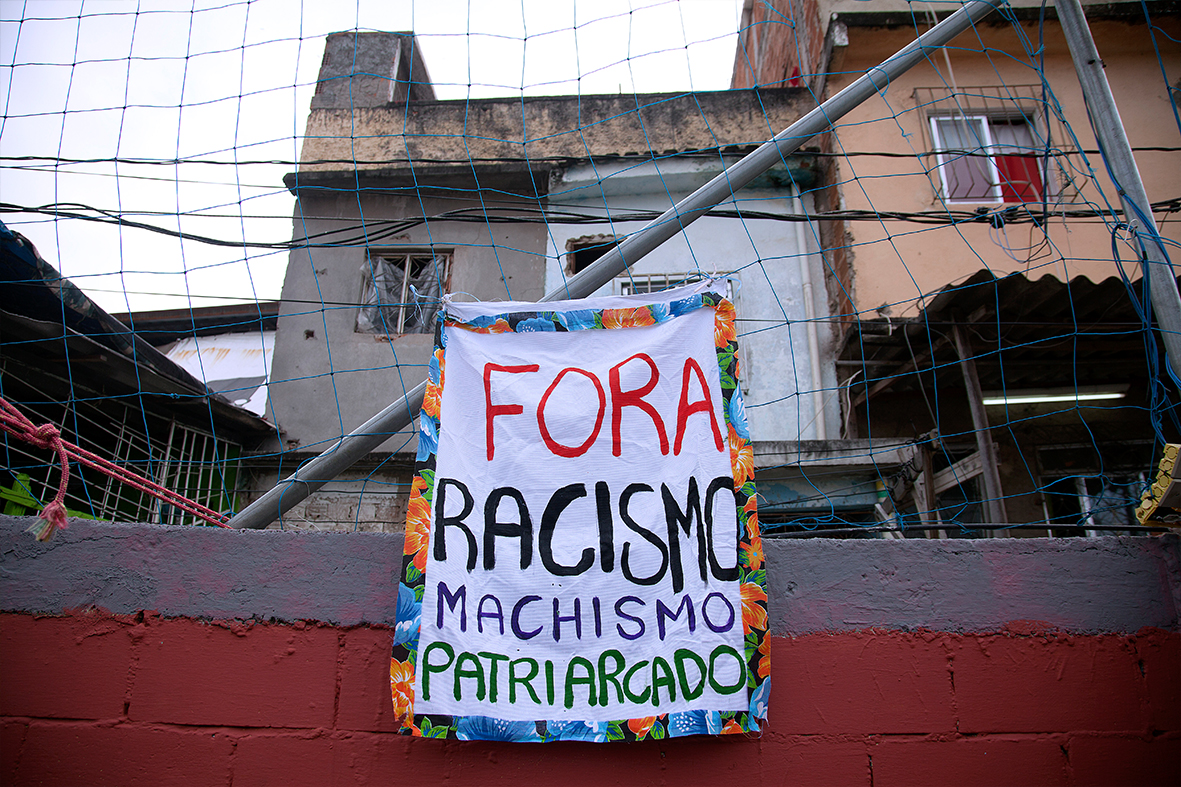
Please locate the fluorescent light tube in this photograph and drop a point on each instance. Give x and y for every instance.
(1018, 398)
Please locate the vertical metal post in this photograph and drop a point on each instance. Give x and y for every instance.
(365, 438)
(1109, 129)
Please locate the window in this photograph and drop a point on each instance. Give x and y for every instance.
(581, 252)
(400, 291)
(984, 158)
(639, 283)
(998, 144)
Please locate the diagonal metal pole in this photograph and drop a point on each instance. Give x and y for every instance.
(1113, 141)
(365, 438)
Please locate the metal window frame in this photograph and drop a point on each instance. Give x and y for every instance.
(406, 257)
(626, 285)
(943, 158)
(1059, 161)
(990, 147)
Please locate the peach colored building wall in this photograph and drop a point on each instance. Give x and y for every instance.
(894, 263)
(892, 266)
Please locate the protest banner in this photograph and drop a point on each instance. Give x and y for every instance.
(583, 559)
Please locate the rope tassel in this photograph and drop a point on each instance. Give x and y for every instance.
(54, 514)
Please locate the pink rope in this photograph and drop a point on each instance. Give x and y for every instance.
(48, 436)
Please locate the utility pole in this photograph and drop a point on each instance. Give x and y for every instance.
(1113, 142)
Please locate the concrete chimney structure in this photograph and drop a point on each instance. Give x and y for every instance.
(371, 69)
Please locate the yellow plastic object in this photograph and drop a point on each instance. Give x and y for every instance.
(1161, 502)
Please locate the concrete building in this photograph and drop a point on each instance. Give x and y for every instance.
(970, 226)
(401, 198)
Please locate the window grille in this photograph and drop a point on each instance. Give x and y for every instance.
(187, 460)
(401, 291)
(997, 145)
(638, 283)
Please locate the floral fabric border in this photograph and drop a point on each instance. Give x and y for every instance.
(750, 559)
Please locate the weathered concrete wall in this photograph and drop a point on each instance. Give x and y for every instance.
(1085, 586)
(327, 379)
(370, 68)
(202, 572)
(1076, 585)
(144, 655)
(550, 127)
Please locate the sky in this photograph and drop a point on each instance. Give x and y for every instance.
(186, 115)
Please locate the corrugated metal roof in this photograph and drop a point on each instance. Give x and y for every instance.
(1024, 334)
(235, 365)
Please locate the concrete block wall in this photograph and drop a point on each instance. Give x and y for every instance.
(137, 654)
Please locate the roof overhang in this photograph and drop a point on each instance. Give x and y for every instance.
(1025, 334)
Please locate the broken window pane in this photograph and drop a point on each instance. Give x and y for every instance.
(401, 293)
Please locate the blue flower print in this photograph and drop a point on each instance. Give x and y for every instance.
(593, 731)
(535, 325)
(428, 437)
(685, 305)
(408, 617)
(577, 319)
(758, 702)
(737, 414)
(694, 722)
(483, 728)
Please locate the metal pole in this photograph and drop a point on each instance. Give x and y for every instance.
(1109, 129)
(349, 449)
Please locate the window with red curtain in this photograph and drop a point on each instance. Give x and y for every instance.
(983, 158)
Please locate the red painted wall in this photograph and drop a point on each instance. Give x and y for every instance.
(92, 698)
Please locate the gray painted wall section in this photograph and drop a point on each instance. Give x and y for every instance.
(1076, 585)
(204, 572)
(1114, 584)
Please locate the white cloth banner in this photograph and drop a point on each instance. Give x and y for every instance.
(577, 542)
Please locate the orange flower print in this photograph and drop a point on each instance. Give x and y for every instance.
(627, 318)
(752, 552)
(431, 400)
(499, 325)
(731, 727)
(754, 610)
(442, 367)
(765, 660)
(402, 688)
(742, 458)
(751, 509)
(724, 330)
(641, 726)
(418, 517)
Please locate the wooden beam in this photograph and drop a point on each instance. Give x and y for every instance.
(964, 470)
(994, 502)
(913, 363)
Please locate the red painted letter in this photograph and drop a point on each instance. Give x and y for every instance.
(493, 410)
(634, 398)
(554, 445)
(684, 409)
